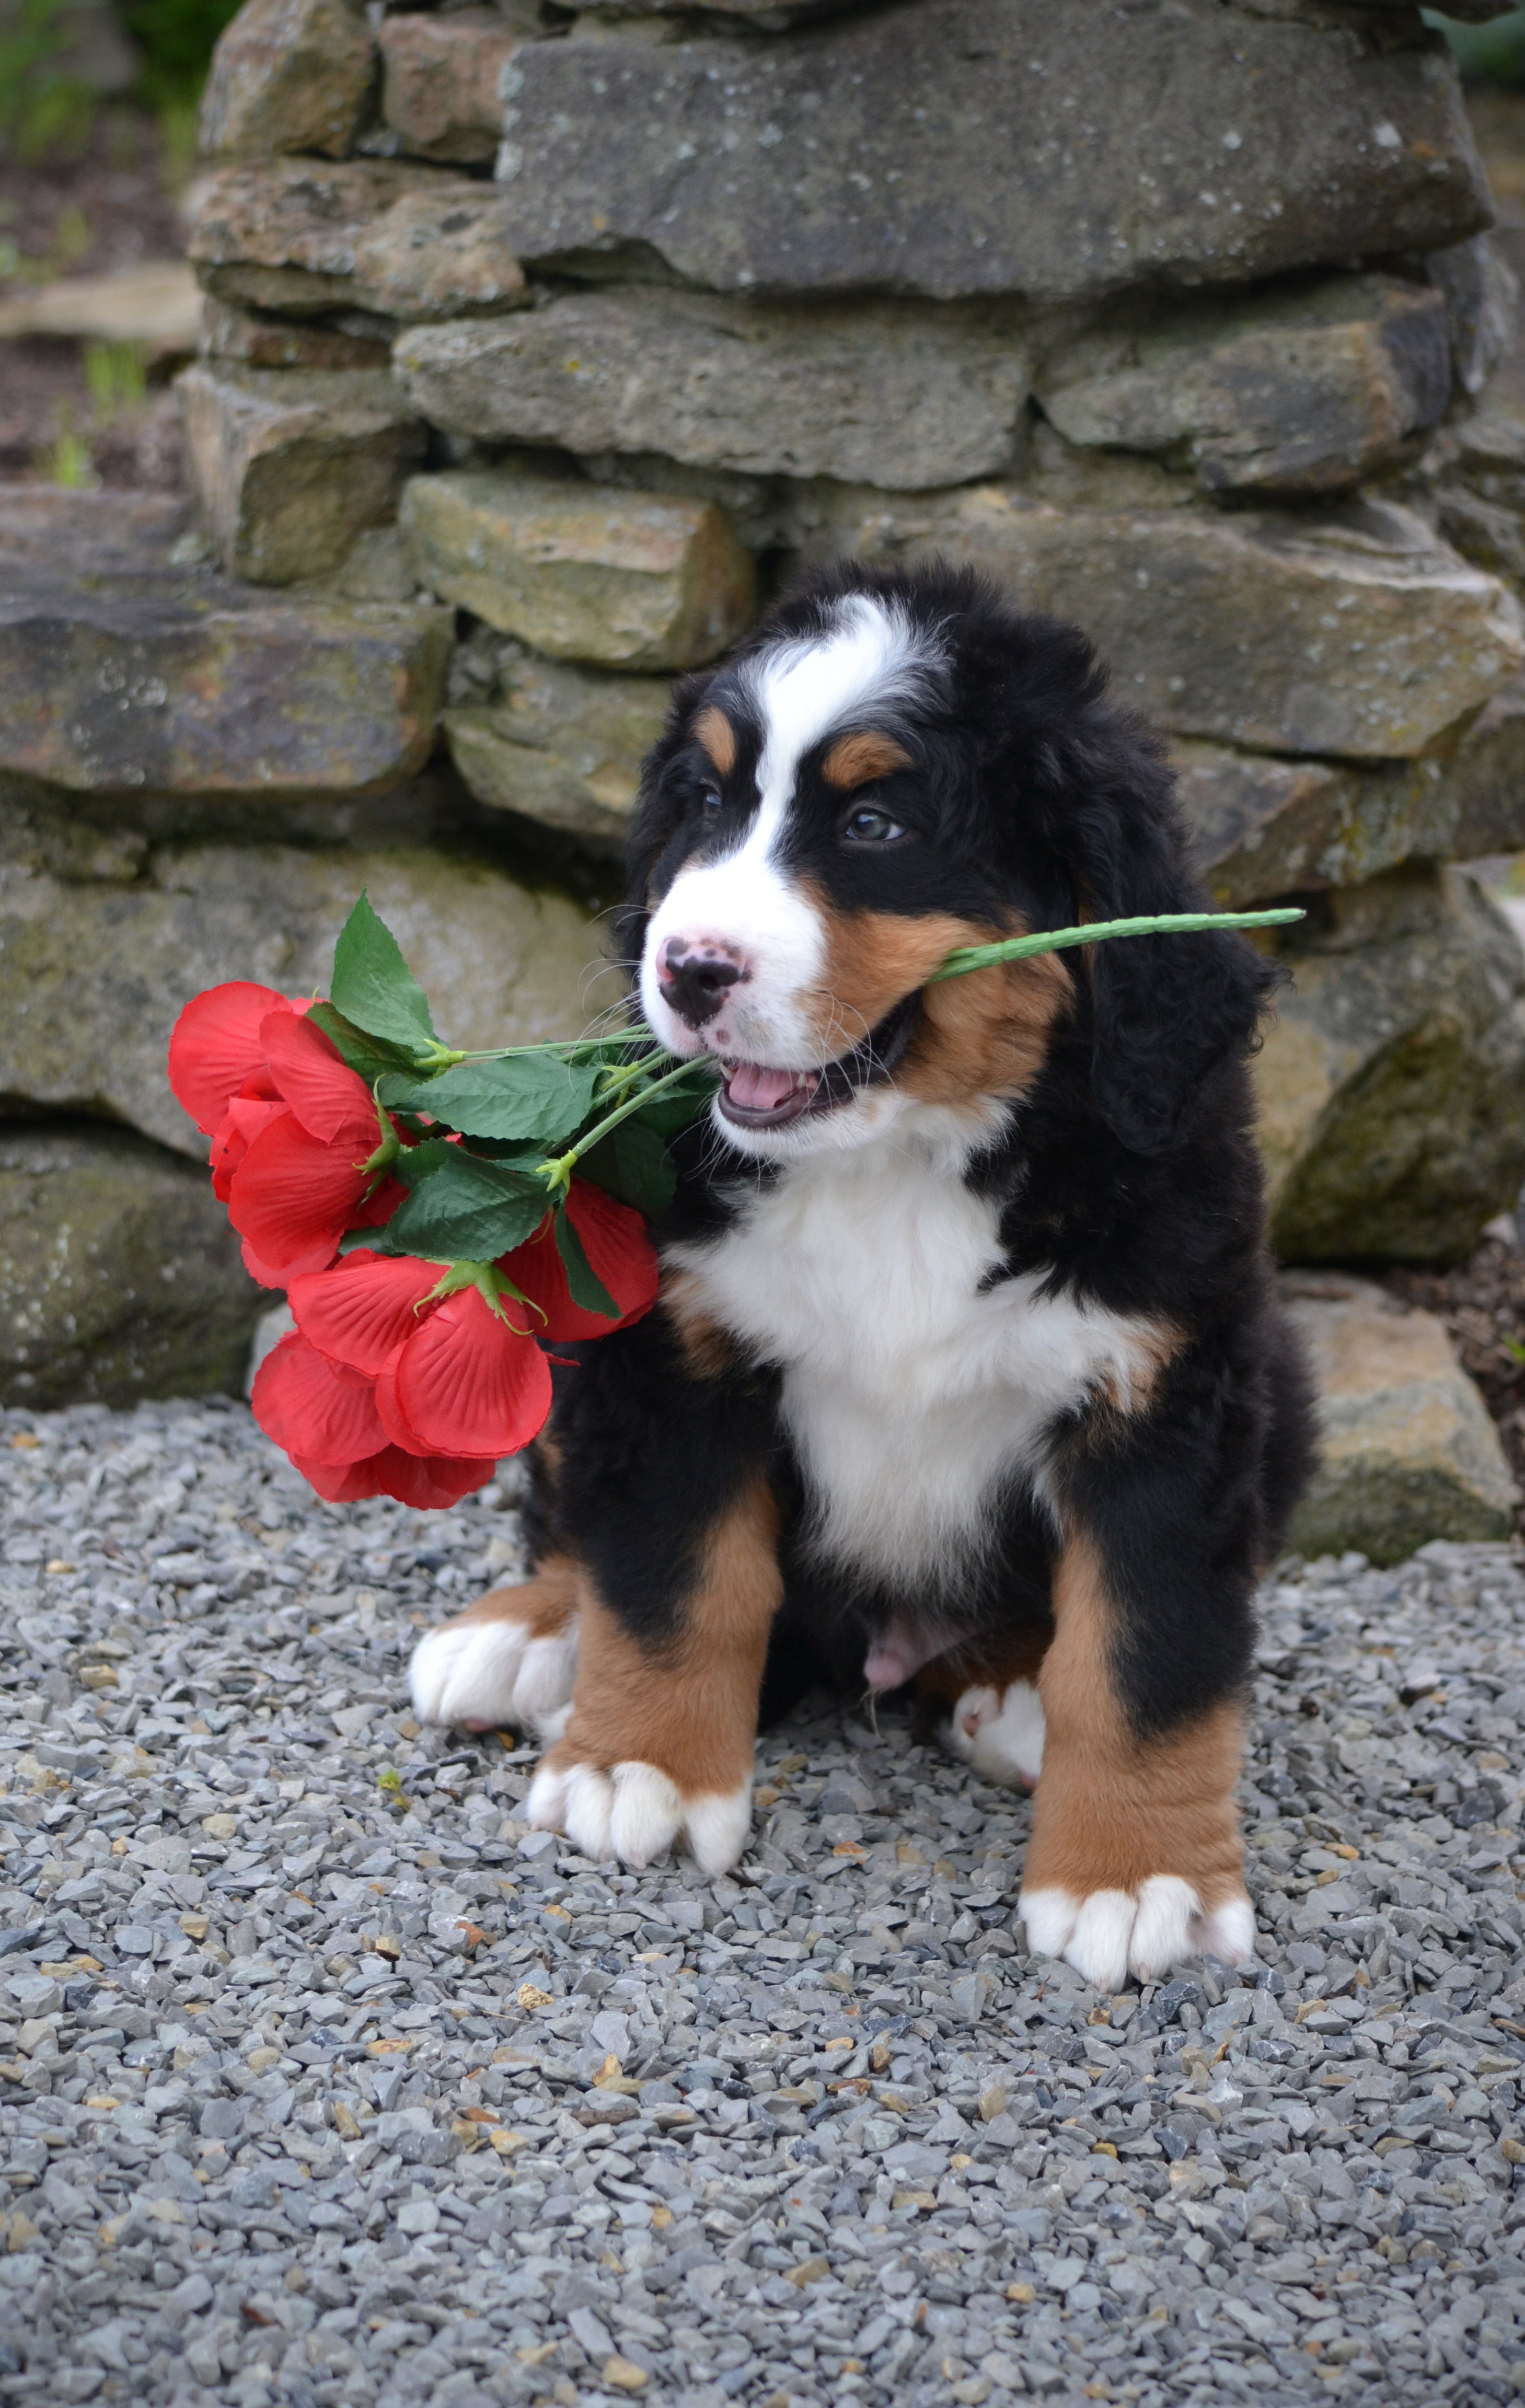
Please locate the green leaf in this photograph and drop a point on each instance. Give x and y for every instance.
(465, 1210)
(677, 1110)
(584, 1283)
(631, 1162)
(373, 986)
(416, 1163)
(530, 1096)
(370, 1055)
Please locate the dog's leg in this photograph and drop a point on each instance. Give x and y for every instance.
(986, 1698)
(508, 1659)
(1135, 1861)
(660, 1741)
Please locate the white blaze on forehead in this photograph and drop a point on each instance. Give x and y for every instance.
(800, 691)
(803, 690)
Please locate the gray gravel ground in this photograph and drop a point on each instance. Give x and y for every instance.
(300, 2028)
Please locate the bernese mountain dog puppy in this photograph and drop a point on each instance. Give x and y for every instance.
(967, 1368)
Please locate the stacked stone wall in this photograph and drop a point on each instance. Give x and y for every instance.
(541, 345)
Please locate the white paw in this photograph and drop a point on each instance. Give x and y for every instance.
(1000, 1732)
(1110, 1934)
(636, 1812)
(493, 1673)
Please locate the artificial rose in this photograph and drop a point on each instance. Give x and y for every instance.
(218, 1045)
(619, 1253)
(427, 1482)
(310, 1173)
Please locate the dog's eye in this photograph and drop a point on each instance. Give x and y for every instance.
(710, 803)
(870, 826)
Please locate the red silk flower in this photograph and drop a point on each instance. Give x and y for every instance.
(302, 1180)
(619, 1253)
(218, 1045)
(325, 1417)
(453, 1374)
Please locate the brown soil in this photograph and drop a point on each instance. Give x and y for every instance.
(105, 211)
(1482, 1303)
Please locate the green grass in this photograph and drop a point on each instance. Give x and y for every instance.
(1492, 53)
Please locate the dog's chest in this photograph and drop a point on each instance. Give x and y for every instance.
(912, 1391)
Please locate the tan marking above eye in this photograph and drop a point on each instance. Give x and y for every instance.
(854, 760)
(718, 738)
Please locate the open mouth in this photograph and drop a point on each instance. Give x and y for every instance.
(756, 1096)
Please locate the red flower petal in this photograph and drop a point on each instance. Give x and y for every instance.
(245, 1117)
(363, 1310)
(378, 1208)
(314, 1408)
(216, 1043)
(330, 1100)
(619, 1252)
(317, 1258)
(290, 1193)
(468, 1383)
(394, 1421)
(428, 1481)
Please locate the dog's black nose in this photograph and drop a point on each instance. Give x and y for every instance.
(694, 980)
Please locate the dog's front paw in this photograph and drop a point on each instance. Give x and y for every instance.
(510, 1666)
(1106, 1934)
(1001, 1733)
(635, 1812)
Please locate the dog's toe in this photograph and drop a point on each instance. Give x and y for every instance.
(482, 1673)
(1110, 1933)
(1000, 1732)
(636, 1812)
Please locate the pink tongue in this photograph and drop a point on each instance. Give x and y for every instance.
(756, 1090)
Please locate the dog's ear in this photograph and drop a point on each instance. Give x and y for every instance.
(1166, 1013)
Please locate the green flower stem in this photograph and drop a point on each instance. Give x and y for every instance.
(1052, 941)
(557, 1173)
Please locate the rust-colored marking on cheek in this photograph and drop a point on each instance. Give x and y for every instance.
(854, 760)
(690, 1705)
(986, 1034)
(1113, 1808)
(872, 961)
(718, 738)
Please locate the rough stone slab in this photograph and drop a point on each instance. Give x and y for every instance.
(1361, 635)
(261, 342)
(901, 395)
(582, 572)
(1262, 826)
(288, 75)
(974, 146)
(560, 745)
(154, 302)
(441, 82)
(119, 1277)
(409, 242)
(1301, 392)
(1391, 1081)
(122, 671)
(291, 468)
(93, 975)
(1409, 1454)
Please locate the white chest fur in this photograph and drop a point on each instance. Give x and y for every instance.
(913, 1396)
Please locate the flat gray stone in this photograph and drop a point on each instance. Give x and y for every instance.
(559, 745)
(1391, 1079)
(93, 973)
(583, 572)
(1296, 392)
(1359, 633)
(306, 237)
(119, 1277)
(895, 394)
(1408, 1452)
(979, 151)
(125, 669)
(292, 466)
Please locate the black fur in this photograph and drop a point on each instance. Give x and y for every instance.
(1129, 1174)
